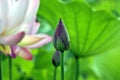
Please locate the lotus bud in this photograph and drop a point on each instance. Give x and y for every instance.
(56, 59)
(61, 39)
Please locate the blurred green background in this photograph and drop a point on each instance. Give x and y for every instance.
(94, 29)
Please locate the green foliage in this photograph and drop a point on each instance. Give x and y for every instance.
(94, 37)
(88, 29)
(107, 65)
(91, 33)
(108, 5)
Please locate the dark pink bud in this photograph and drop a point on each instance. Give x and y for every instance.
(61, 39)
(56, 58)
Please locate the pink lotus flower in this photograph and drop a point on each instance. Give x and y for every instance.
(18, 28)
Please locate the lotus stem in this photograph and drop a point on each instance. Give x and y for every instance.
(0, 65)
(55, 73)
(10, 68)
(77, 68)
(62, 65)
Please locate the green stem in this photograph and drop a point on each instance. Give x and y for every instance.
(62, 65)
(0, 66)
(10, 68)
(55, 72)
(77, 68)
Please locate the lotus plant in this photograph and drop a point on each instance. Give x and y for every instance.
(61, 42)
(18, 28)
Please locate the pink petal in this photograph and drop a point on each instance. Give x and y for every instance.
(24, 53)
(46, 39)
(13, 54)
(36, 27)
(33, 28)
(12, 39)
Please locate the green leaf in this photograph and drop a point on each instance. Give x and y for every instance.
(43, 68)
(109, 5)
(43, 59)
(23, 65)
(107, 65)
(5, 70)
(91, 32)
(44, 27)
(43, 74)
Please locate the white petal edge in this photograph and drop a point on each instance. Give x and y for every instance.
(4, 8)
(32, 10)
(17, 13)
